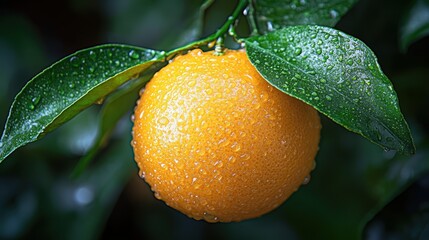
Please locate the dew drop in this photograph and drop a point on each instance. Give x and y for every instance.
(298, 51)
(246, 11)
(142, 174)
(74, 61)
(219, 164)
(92, 55)
(333, 13)
(306, 180)
(36, 100)
(158, 196)
(236, 147)
(192, 83)
(163, 121)
(245, 156)
(329, 98)
(210, 218)
(318, 51)
(223, 142)
(133, 54)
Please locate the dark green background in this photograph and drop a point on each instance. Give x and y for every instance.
(354, 181)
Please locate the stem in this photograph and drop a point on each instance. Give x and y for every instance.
(203, 9)
(251, 19)
(242, 4)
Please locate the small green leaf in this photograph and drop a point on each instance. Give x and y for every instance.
(69, 86)
(273, 14)
(415, 24)
(338, 75)
(114, 108)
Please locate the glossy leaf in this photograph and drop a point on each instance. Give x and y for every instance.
(416, 23)
(69, 86)
(338, 75)
(273, 14)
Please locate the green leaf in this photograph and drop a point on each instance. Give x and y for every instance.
(273, 14)
(114, 108)
(415, 24)
(338, 75)
(193, 29)
(69, 86)
(105, 182)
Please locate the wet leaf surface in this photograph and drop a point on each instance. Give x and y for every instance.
(338, 75)
(69, 86)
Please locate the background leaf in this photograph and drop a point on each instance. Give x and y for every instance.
(192, 31)
(415, 24)
(114, 108)
(273, 14)
(338, 75)
(69, 86)
(353, 180)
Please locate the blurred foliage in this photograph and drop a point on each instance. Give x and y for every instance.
(354, 182)
(415, 23)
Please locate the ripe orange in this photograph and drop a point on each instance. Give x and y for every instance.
(214, 140)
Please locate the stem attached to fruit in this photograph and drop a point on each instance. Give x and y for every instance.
(242, 4)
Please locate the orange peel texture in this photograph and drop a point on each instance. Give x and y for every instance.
(217, 142)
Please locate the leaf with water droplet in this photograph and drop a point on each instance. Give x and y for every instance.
(357, 94)
(69, 86)
(272, 14)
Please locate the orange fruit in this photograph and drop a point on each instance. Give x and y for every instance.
(215, 141)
